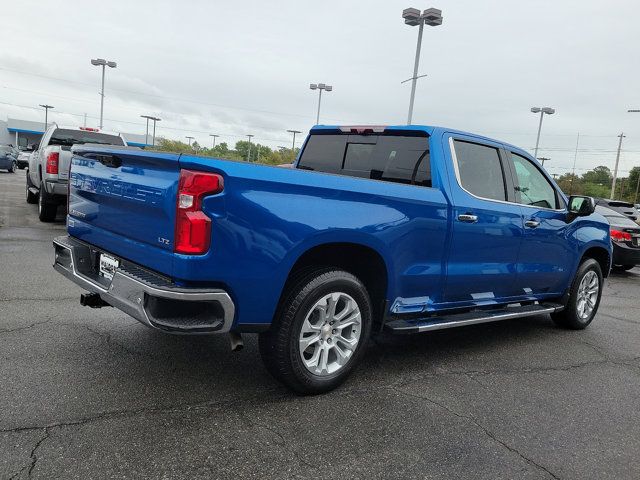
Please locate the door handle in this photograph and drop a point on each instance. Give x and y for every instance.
(468, 218)
(531, 223)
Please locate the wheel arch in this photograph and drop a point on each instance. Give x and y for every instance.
(601, 255)
(359, 259)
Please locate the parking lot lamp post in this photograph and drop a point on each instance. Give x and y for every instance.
(249, 151)
(320, 87)
(541, 111)
(293, 144)
(103, 63)
(214, 140)
(543, 159)
(412, 17)
(46, 115)
(189, 138)
(146, 137)
(615, 169)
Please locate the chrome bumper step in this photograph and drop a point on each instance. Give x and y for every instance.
(442, 322)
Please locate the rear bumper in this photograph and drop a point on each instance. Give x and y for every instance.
(56, 187)
(625, 255)
(147, 297)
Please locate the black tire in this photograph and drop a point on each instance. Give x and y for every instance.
(570, 317)
(279, 347)
(47, 208)
(32, 198)
(12, 168)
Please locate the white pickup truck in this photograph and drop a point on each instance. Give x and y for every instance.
(48, 173)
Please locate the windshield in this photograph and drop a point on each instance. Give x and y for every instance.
(72, 137)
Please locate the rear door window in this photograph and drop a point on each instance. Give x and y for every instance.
(480, 170)
(391, 158)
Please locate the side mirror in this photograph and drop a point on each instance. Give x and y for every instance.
(581, 206)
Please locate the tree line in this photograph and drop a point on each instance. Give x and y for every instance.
(597, 183)
(243, 151)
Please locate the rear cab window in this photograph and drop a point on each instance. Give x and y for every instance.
(393, 157)
(70, 137)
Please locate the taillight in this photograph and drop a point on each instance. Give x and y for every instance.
(193, 227)
(52, 162)
(620, 236)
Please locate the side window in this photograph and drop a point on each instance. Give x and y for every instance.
(532, 188)
(480, 170)
(391, 158)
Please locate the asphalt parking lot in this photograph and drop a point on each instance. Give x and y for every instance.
(93, 394)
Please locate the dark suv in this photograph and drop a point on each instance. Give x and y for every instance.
(625, 208)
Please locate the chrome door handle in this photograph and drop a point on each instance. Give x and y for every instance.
(531, 223)
(467, 218)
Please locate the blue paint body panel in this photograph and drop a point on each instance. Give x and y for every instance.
(267, 217)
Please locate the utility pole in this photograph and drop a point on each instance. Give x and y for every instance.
(573, 171)
(615, 170)
(542, 159)
(249, 151)
(46, 115)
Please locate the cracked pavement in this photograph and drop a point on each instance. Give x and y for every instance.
(90, 393)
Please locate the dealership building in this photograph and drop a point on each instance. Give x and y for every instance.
(21, 133)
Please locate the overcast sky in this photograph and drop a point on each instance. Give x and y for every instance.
(235, 68)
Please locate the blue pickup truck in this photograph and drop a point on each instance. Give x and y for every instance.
(399, 228)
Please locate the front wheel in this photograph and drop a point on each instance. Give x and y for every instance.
(320, 332)
(584, 297)
(12, 168)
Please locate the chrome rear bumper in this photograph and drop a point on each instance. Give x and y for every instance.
(146, 296)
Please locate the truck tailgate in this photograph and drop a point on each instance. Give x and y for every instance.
(124, 200)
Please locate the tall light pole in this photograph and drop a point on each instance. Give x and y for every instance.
(541, 111)
(412, 17)
(214, 139)
(542, 159)
(46, 115)
(249, 151)
(190, 138)
(615, 170)
(103, 63)
(293, 144)
(320, 87)
(146, 137)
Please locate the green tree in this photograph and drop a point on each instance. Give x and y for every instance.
(599, 175)
(570, 184)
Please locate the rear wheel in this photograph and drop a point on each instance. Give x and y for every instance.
(47, 207)
(12, 168)
(320, 331)
(584, 297)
